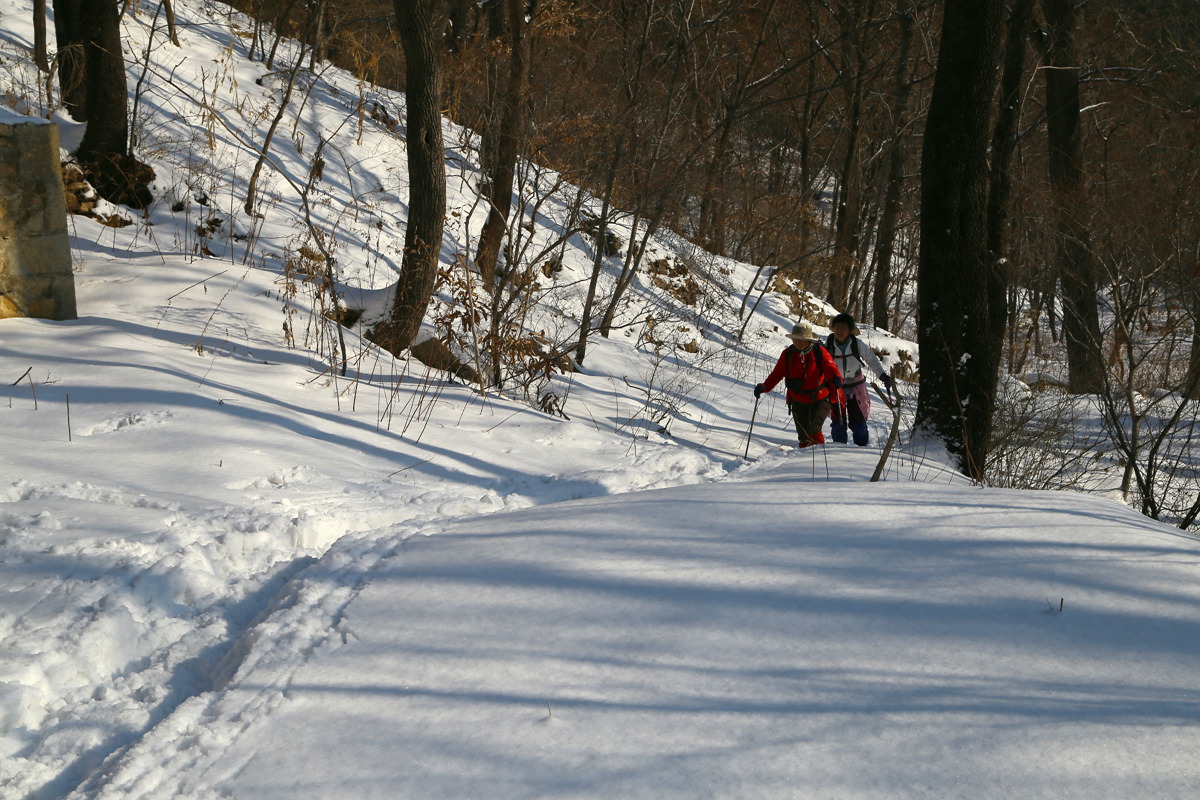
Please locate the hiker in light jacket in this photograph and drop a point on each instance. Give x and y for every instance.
(851, 354)
(812, 381)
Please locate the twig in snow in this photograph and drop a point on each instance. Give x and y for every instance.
(410, 466)
(197, 283)
(506, 419)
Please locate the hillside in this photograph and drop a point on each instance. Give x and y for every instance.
(230, 570)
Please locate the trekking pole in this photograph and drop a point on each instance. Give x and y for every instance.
(750, 432)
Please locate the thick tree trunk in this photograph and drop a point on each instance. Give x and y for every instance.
(427, 177)
(104, 80)
(1076, 265)
(72, 62)
(958, 356)
(92, 83)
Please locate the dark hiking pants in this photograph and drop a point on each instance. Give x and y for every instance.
(809, 418)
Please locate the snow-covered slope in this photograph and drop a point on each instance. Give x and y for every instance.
(156, 492)
(214, 571)
(744, 639)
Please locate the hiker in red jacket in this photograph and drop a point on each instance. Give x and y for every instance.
(812, 379)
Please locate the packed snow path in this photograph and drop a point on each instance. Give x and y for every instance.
(763, 637)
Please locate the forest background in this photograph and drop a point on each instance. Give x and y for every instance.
(809, 138)
(791, 135)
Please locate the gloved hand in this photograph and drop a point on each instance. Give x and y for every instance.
(758, 390)
(887, 380)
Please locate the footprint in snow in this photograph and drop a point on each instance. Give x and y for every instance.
(128, 420)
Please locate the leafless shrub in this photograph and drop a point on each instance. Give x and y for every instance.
(1041, 440)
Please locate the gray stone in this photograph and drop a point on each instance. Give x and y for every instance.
(36, 279)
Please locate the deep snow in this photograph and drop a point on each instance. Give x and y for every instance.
(741, 639)
(229, 571)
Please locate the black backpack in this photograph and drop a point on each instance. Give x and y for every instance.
(829, 342)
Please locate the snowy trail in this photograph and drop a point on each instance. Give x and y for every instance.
(736, 639)
(136, 552)
(167, 589)
(192, 505)
(128, 594)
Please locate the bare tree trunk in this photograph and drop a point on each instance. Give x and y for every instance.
(505, 145)
(1192, 382)
(427, 174)
(39, 36)
(849, 208)
(316, 35)
(252, 184)
(959, 360)
(256, 42)
(169, 8)
(458, 19)
(712, 200)
(1076, 265)
(280, 21)
(585, 320)
(633, 259)
(886, 243)
(1004, 143)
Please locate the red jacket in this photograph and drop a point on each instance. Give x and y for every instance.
(809, 375)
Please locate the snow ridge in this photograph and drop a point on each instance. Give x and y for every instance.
(201, 737)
